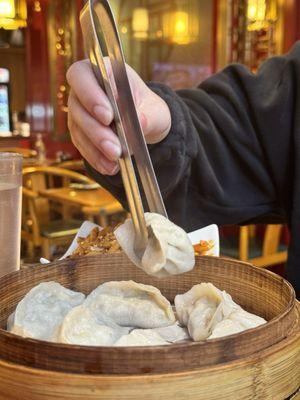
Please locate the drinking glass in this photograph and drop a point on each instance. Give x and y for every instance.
(10, 211)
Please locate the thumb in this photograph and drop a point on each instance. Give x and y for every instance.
(155, 117)
(143, 121)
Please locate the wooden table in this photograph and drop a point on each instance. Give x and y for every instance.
(92, 202)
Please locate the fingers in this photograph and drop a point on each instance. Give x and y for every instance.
(90, 116)
(91, 153)
(85, 86)
(102, 137)
(93, 113)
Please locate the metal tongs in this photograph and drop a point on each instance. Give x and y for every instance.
(103, 46)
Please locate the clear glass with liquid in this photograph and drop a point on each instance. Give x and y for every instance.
(10, 211)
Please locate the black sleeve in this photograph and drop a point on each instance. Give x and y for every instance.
(228, 157)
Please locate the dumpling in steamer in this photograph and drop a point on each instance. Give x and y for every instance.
(199, 310)
(132, 304)
(169, 250)
(141, 337)
(203, 293)
(208, 311)
(80, 326)
(41, 312)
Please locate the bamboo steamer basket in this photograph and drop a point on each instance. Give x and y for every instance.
(261, 363)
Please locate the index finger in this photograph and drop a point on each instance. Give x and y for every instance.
(88, 91)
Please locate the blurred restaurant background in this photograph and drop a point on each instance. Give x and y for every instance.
(177, 42)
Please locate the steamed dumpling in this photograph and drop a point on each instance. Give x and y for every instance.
(141, 337)
(208, 311)
(168, 252)
(80, 326)
(202, 320)
(41, 312)
(132, 304)
(204, 294)
(199, 310)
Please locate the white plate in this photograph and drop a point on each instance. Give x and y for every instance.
(210, 232)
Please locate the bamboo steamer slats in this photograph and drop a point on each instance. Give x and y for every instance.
(262, 363)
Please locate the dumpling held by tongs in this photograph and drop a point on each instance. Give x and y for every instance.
(169, 250)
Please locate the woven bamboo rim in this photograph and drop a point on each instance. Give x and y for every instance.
(257, 290)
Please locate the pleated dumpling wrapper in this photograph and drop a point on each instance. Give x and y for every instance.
(236, 321)
(198, 309)
(154, 337)
(225, 328)
(205, 308)
(141, 337)
(131, 304)
(173, 333)
(80, 326)
(169, 250)
(41, 312)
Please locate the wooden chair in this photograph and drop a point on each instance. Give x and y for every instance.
(26, 153)
(262, 252)
(94, 214)
(73, 165)
(38, 229)
(101, 216)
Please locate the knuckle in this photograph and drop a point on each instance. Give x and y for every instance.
(97, 139)
(74, 135)
(75, 143)
(92, 130)
(71, 102)
(70, 123)
(70, 98)
(74, 140)
(73, 71)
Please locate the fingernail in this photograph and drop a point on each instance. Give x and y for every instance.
(103, 115)
(111, 150)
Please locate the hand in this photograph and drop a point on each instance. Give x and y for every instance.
(90, 116)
